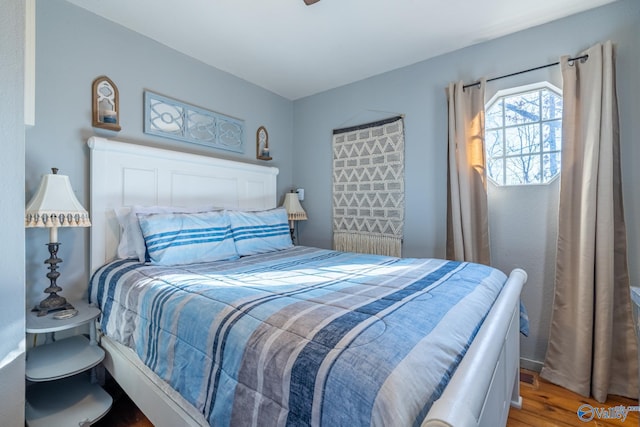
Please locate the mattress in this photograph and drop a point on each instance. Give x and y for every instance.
(303, 336)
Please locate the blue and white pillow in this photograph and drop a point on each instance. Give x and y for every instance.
(260, 231)
(187, 238)
(131, 243)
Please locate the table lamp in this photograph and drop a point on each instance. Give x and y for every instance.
(54, 205)
(294, 211)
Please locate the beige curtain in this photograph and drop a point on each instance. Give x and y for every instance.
(467, 215)
(592, 344)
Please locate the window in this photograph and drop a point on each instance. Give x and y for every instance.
(523, 135)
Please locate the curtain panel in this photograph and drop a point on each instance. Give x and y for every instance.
(467, 211)
(592, 344)
(368, 188)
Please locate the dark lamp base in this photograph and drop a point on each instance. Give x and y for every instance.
(52, 303)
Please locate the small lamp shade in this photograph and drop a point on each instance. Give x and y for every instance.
(293, 207)
(55, 205)
(294, 211)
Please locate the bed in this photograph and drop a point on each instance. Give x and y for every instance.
(295, 335)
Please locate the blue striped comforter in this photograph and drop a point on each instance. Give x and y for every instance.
(300, 337)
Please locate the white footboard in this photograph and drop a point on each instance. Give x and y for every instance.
(487, 380)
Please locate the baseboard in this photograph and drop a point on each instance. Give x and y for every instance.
(517, 404)
(531, 365)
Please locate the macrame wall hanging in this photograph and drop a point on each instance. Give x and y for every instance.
(368, 187)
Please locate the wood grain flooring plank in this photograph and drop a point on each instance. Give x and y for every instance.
(547, 405)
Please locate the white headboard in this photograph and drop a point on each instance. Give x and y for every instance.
(124, 174)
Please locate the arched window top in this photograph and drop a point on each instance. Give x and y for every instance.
(523, 135)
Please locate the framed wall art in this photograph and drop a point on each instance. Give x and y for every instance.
(169, 118)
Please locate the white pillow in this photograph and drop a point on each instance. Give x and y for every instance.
(131, 240)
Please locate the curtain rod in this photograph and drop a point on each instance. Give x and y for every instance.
(368, 125)
(579, 58)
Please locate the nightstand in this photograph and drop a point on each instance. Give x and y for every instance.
(62, 390)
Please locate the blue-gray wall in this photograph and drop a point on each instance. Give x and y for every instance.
(523, 219)
(12, 339)
(73, 48)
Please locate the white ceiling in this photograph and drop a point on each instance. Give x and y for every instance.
(296, 50)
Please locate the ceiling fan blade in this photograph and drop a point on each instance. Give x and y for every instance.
(310, 2)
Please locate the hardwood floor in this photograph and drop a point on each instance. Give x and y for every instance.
(548, 405)
(123, 413)
(543, 405)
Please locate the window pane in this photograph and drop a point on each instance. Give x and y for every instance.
(523, 170)
(523, 139)
(495, 170)
(551, 165)
(493, 116)
(522, 108)
(552, 136)
(551, 105)
(493, 141)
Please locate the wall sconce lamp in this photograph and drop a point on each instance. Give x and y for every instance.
(54, 205)
(294, 211)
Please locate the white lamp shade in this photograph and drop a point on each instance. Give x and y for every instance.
(55, 205)
(293, 207)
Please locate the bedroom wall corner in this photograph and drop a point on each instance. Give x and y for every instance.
(12, 307)
(67, 64)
